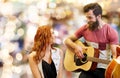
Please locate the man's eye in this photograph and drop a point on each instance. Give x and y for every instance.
(89, 17)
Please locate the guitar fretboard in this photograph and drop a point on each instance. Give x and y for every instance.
(98, 60)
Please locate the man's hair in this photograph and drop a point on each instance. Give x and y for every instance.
(93, 6)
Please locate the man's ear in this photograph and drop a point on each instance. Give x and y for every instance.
(99, 16)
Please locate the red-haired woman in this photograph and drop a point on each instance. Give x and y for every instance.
(40, 58)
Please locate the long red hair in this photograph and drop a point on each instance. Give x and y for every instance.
(42, 39)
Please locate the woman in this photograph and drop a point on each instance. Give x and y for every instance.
(40, 59)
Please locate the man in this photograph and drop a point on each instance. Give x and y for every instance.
(97, 34)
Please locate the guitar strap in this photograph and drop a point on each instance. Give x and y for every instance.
(94, 64)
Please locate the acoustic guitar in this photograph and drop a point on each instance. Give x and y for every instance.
(113, 69)
(72, 63)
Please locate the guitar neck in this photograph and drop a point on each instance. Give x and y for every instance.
(93, 59)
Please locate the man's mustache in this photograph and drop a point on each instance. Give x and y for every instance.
(93, 25)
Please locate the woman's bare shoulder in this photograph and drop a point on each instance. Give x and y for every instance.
(32, 54)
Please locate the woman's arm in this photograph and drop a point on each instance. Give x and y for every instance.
(60, 70)
(34, 66)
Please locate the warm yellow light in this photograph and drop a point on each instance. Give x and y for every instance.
(19, 56)
(20, 32)
(69, 1)
(115, 0)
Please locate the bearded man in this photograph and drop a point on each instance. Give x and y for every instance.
(97, 34)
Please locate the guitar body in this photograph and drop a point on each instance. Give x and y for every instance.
(110, 69)
(69, 62)
(116, 72)
(113, 69)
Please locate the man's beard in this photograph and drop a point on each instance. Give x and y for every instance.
(93, 25)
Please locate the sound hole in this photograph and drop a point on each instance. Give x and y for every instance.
(79, 61)
(84, 60)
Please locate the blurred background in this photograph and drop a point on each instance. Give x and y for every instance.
(19, 20)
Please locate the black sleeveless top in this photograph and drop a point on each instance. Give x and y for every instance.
(49, 70)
